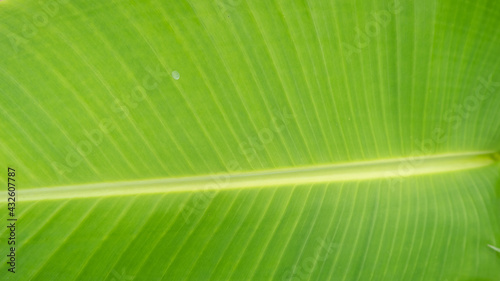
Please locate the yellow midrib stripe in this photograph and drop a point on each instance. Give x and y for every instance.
(391, 169)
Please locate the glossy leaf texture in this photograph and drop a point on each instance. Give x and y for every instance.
(251, 140)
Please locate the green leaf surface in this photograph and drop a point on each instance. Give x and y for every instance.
(251, 140)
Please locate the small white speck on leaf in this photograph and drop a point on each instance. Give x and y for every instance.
(176, 75)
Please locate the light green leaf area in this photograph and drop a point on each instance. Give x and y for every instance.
(251, 140)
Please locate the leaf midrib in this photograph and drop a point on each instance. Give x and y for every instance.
(393, 170)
